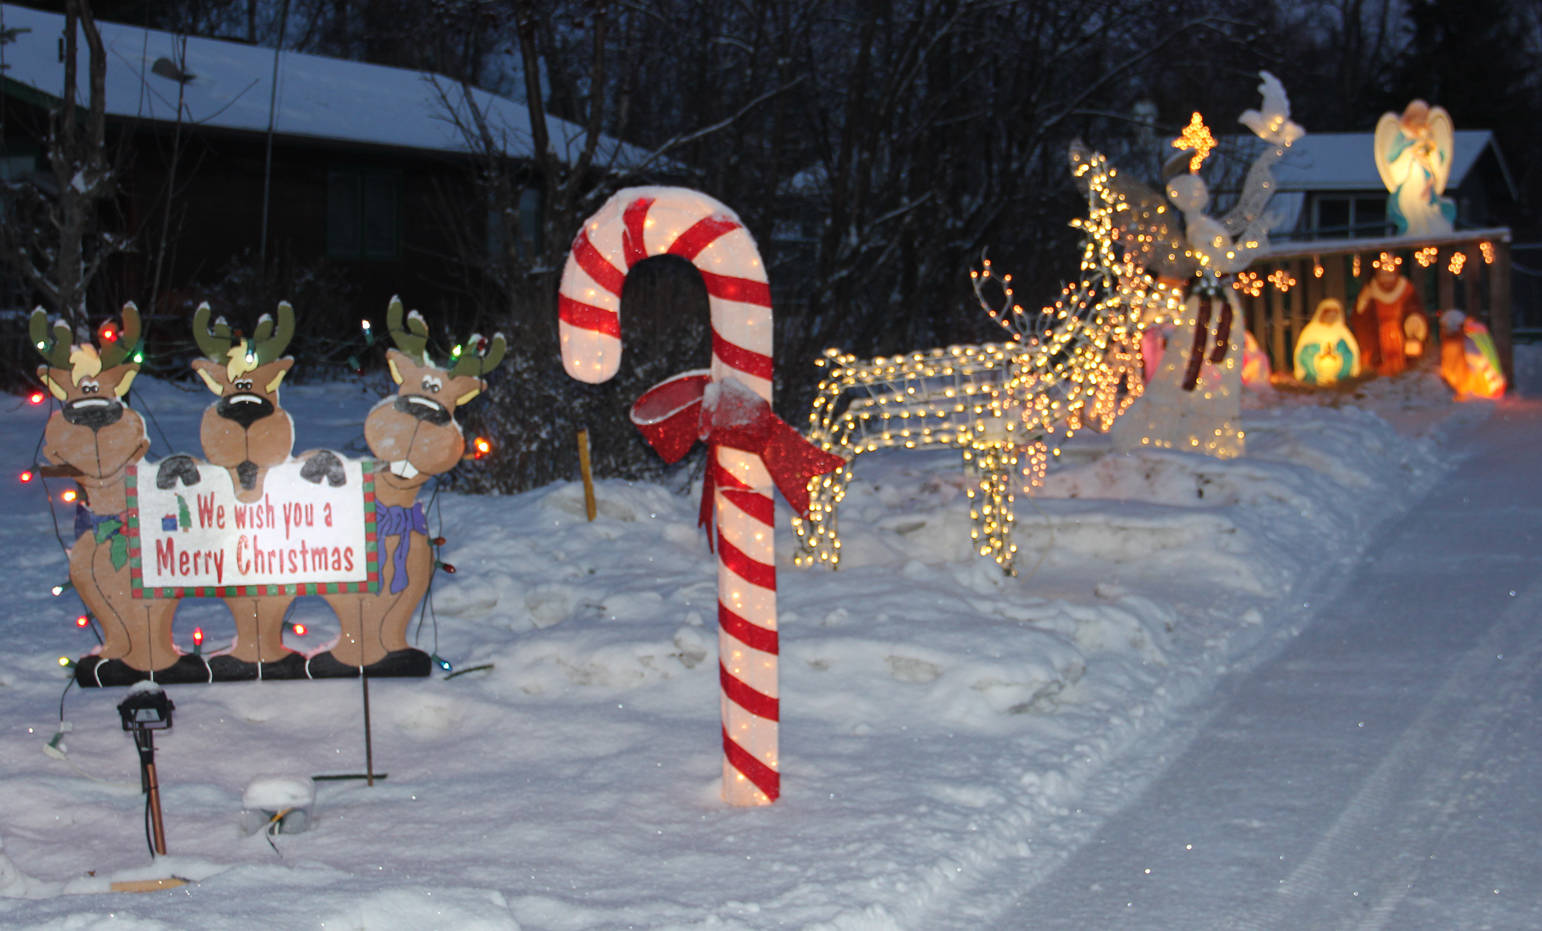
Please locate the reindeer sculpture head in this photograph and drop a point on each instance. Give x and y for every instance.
(93, 430)
(245, 431)
(415, 432)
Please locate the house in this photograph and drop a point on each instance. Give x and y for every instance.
(1327, 186)
(356, 175)
(1331, 208)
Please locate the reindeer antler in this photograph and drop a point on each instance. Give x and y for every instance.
(128, 337)
(55, 348)
(411, 339)
(216, 340)
(479, 363)
(267, 343)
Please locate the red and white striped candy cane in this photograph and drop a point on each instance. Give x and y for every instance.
(636, 224)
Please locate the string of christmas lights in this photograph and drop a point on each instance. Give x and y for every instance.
(1070, 365)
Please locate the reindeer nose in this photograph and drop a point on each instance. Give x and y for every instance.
(245, 409)
(94, 413)
(423, 408)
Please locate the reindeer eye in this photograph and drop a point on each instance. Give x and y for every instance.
(243, 384)
(432, 384)
(87, 386)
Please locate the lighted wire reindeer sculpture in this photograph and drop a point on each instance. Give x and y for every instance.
(1006, 406)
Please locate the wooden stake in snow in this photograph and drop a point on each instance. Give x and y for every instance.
(588, 473)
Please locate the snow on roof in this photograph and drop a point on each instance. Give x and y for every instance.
(1343, 161)
(230, 87)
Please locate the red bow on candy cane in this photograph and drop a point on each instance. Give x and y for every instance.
(677, 412)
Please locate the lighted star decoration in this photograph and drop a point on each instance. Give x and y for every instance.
(1195, 136)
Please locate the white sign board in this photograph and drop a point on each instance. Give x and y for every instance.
(302, 537)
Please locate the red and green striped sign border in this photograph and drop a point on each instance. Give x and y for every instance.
(370, 585)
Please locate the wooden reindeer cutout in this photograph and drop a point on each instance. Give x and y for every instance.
(414, 437)
(95, 437)
(246, 432)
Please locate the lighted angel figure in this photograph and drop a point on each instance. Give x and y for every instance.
(1413, 155)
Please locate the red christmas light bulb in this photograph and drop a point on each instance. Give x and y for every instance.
(27, 476)
(107, 333)
(36, 397)
(299, 630)
(82, 621)
(198, 636)
(68, 496)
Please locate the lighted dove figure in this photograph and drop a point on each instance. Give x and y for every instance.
(1271, 121)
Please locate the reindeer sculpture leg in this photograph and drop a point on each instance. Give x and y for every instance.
(258, 651)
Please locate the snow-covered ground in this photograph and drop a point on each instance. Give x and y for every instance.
(938, 718)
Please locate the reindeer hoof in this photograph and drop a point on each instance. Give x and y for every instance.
(292, 666)
(324, 465)
(95, 672)
(408, 663)
(189, 667)
(246, 473)
(398, 664)
(173, 468)
(326, 666)
(226, 668)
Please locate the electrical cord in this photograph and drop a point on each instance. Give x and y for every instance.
(64, 547)
(275, 824)
(62, 694)
(426, 608)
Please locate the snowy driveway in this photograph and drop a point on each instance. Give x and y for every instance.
(1380, 770)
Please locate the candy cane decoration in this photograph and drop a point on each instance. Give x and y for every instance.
(733, 415)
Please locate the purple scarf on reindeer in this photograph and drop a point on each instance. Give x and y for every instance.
(393, 520)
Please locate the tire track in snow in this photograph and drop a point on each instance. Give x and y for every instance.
(1429, 761)
(1325, 778)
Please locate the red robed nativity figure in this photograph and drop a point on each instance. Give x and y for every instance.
(1389, 322)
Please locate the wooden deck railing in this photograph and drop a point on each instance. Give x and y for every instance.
(1285, 287)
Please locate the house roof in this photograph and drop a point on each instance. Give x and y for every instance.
(1343, 161)
(231, 87)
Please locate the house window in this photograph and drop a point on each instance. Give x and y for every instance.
(1349, 215)
(363, 214)
(17, 167)
(527, 228)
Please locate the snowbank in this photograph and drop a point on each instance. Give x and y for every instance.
(939, 719)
